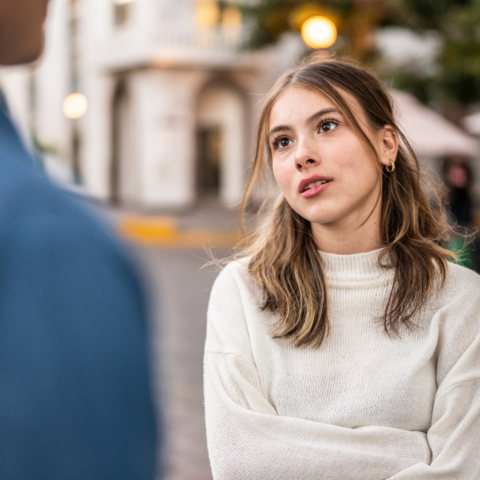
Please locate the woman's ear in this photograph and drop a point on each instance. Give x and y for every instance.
(389, 145)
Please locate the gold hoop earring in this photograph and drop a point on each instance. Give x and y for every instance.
(391, 167)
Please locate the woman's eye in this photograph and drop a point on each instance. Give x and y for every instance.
(282, 142)
(328, 126)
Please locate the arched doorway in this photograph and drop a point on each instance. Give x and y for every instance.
(124, 170)
(220, 144)
(209, 144)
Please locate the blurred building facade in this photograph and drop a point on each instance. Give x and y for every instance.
(171, 99)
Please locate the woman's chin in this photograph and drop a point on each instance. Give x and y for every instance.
(327, 220)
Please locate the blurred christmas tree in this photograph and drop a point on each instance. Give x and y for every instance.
(455, 81)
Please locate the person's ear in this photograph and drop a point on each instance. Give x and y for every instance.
(389, 145)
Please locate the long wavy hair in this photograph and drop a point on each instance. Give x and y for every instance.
(283, 256)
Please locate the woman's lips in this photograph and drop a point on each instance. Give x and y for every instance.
(312, 192)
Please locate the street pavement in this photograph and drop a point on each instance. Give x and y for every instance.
(179, 289)
(169, 250)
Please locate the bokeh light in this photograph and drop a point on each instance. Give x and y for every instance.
(207, 14)
(232, 18)
(319, 32)
(75, 106)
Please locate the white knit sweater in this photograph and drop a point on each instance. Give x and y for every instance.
(363, 405)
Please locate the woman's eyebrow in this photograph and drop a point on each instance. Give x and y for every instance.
(312, 118)
(279, 128)
(321, 113)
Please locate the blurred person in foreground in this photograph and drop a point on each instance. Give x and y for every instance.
(75, 396)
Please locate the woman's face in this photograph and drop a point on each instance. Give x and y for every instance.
(326, 173)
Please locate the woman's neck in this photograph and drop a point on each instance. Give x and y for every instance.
(348, 238)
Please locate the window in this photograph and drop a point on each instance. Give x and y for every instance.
(122, 11)
(213, 13)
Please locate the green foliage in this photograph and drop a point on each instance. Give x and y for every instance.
(44, 148)
(457, 22)
(424, 14)
(460, 58)
(271, 19)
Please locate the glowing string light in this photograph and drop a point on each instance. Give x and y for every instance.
(75, 106)
(319, 32)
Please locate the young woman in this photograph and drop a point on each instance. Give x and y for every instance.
(344, 344)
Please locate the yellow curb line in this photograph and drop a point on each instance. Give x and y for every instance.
(164, 232)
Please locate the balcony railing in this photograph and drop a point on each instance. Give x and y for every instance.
(203, 39)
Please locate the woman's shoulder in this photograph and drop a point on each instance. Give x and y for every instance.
(232, 299)
(235, 282)
(458, 324)
(461, 290)
(238, 265)
(236, 270)
(233, 277)
(462, 279)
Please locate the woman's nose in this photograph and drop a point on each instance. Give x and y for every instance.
(305, 154)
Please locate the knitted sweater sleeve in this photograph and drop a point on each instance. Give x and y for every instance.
(248, 440)
(454, 435)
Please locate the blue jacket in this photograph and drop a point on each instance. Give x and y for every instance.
(75, 396)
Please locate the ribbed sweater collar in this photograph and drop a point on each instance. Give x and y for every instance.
(355, 271)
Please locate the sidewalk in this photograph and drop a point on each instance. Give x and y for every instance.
(202, 226)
